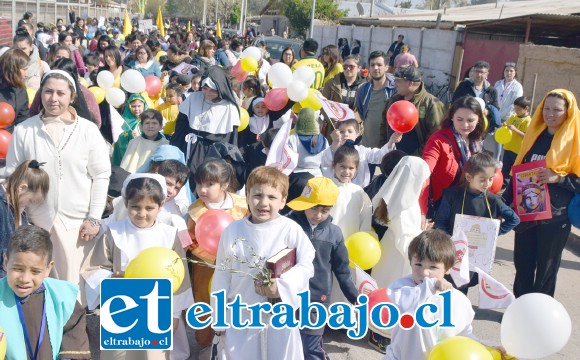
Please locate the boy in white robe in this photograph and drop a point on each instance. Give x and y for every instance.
(261, 235)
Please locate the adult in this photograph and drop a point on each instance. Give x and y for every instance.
(80, 29)
(58, 51)
(133, 42)
(13, 67)
(85, 103)
(103, 43)
(66, 39)
(221, 55)
(75, 157)
(288, 56)
(331, 61)
(284, 34)
(144, 62)
(395, 49)
(23, 41)
(308, 58)
(343, 47)
(113, 64)
(26, 19)
(175, 56)
(355, 50)
(449, 148)
(431, 111)
(42, 50)
(211, 115)
(405, 58)
(508, 90)
(272, 32)
(205, 57)
(476, 85)
(235, 51)
(372, 96)
(552, 135)
(190, 42)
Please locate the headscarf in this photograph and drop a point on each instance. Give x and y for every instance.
(563, 158)
(131, 121)
(159, 178)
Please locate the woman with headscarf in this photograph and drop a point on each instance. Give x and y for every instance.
(13, 66)
(206, 117)
(552, 135)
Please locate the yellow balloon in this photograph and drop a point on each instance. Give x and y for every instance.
(244, 119)
(459, 347)
(485, 123)
(503, 135)
(363, 249)
(83, 81)
(2, 344)
(31, 94)
(311, 101)
(160, 54)
(155, 263)
(496, 355)
(249, 64)
(296, 108)
(98, 92)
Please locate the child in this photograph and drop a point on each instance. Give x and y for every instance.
(518, 124)
(144, 195)
(184, 81)
(60, 328)
(213, 179)
(313, 215)
(350, 130)
(195, 83)
(175, 174)
(141, 148)
(472, 198)
(28, 184)
(261, 119)
(263, 233)
(308, 142)
(431, 255)
(170, 108)
(251, 90)
(92, 64)
(131, 115)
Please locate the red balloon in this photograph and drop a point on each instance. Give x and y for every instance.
(238, 72)
(5, 137)
(402, 116)
(276, 99)
(497, 182)
(7, 114)
(209, 228)
(153, 85)
(376, 297)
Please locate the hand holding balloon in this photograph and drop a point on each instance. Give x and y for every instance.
(395, 138)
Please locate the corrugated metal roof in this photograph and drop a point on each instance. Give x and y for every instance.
(485, 12)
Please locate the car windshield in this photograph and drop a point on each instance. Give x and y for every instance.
(276, 46)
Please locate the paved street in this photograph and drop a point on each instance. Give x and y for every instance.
(487, 322)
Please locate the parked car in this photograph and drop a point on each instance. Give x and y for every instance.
(275, 45)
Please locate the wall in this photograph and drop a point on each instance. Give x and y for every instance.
(556, 67)
(434, 49)
(496, 52)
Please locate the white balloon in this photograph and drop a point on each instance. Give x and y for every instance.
(115, 97)
(280, 75)
(304, 74)
(253, 52)
(535, 326)
(133, 81)
(105, 79)
(297, 91)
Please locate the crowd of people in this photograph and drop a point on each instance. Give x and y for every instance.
(88, 186)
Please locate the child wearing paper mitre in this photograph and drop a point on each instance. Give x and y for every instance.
(312, 213)
(261, 235)
(349, 130)
(214, 184)
(41, 316)
(432, 255)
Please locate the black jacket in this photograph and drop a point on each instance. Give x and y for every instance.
(18, 98)
(465, 88)
(331, 257)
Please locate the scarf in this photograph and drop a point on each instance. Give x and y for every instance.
(131, 121)
(259, 124)
(564, 155)
(306, 141)
(465, 149)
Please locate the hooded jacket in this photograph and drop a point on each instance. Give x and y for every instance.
(465, 88)
(364, 92)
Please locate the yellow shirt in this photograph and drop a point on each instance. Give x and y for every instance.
(169, 112)
(521, 124)
(337, 70)
(318, 71)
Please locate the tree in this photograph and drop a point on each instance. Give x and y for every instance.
(298, 12)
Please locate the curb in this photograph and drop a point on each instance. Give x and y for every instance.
(573, 243)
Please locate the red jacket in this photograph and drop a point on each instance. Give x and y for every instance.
(441, 153)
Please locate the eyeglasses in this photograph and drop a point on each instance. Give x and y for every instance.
(350, 67)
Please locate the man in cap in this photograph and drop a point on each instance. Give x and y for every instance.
(431, 111)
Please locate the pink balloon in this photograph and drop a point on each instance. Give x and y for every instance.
(209, 228)
(153, 85)
(238, 72)
(5, 137)
(276, 99)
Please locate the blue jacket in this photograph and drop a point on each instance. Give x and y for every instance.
(331, 257)
(364, 92)
(222, 58)
(6, 227)
(154, 69)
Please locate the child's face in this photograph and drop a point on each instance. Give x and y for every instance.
(264, 202)
(195, 82)
(348, 132)
(210, 192)
(260, 109)
(173, 187)
(423, 268)
(248, 92)
(345, 171)
(520, 111)
(26, 198)
(317, 214)
(137, 107)
(91, 68)
(171, 97)
(143, 212)
(26, 271)
(482, 180)
(151, 128)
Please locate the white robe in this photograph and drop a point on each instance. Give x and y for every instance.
(353, 209)
(265, 240)
(401, 193)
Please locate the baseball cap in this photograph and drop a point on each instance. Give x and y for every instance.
(318, 191)
(409, 73)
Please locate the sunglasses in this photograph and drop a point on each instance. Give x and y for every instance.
(350, 67)
(512, 64)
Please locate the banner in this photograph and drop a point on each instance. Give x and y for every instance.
(335, 110)
(281, 156)
(531, 199)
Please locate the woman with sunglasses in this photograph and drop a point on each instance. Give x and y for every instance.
(508, 90)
